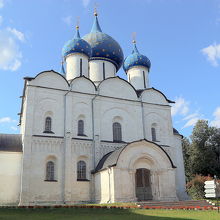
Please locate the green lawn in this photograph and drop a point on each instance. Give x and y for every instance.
(104, 214)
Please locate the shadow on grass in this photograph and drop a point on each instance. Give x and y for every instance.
(79, 214)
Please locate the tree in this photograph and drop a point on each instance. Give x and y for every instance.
(213, 143)
(186, 157)
(202, 154)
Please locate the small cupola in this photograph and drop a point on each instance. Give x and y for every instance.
(137, 67)
(76, 53)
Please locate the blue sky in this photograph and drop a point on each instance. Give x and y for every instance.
(180, 37)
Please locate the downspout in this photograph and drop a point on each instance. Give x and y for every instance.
(93, 127)
(143, 122)
(64, 134)
(93, 137)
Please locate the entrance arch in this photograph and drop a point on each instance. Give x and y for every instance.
(143, 184)
(123, 166)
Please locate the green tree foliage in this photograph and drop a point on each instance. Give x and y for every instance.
(202, 154)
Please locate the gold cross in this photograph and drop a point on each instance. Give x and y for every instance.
(95, 9)
(134, 37)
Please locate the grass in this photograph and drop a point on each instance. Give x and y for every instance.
(104, 214)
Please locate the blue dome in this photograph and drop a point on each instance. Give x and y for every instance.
(103, 46)
(76, 45)
(136, 59)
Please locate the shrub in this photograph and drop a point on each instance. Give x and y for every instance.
(195, 187)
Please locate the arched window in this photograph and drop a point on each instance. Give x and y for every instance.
(50, 170)
(81, 170)
(81, 128)
(153, 134)
(117, 134)
(48, 124)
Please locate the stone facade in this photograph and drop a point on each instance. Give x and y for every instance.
(98, 99)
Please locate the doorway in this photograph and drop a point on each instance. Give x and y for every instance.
(143, 184)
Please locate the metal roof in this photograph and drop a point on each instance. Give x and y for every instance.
(10, 142)
(111, 158)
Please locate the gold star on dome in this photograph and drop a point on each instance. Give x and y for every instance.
(97, 53)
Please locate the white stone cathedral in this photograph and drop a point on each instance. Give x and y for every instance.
(88, 135)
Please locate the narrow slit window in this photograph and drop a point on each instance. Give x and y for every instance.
(48, 124)
(103, 70)
(50, 169)
(153, 133)
(80, 66)
(144, 79)
(117, 133)
(81, 128)
(81, 170)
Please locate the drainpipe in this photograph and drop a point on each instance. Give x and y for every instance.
(109, 185)
(64, 158)
(93, 127)
(93, 137)
(143, 122)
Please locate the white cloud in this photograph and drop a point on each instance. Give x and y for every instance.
(193, 115)
(10, 54)
(14, 128)
(191, 122)
(216, 121)
(85, 3)
(19, 35)
(180, 107)
(2, 3)
(7, 120)
(1, 19)
(212, 53)
(68, 20)
(192, 119)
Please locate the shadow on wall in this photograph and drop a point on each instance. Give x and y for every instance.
(88, 213)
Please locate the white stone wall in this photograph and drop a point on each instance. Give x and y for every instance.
(96, 70)
(42, 151)
(180, 170)
(10, 177)
(138, 77)
(114, 100)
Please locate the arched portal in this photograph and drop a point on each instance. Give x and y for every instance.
(141, 170)
(143, 184)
